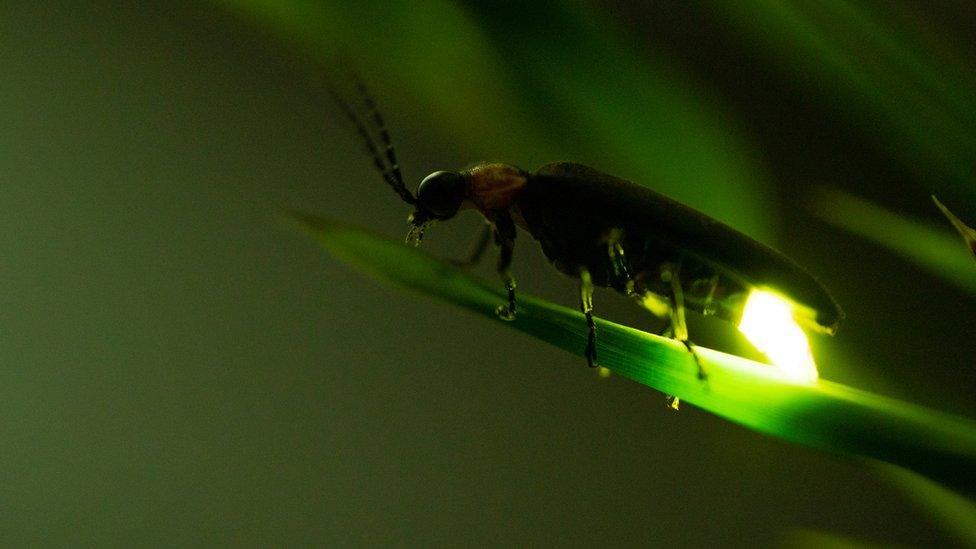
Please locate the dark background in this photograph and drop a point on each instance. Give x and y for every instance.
(180, 365)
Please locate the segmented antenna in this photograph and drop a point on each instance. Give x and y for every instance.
(391, 175)
(380, 126)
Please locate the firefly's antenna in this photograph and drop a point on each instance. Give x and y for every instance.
(391, 175)
(380, 126)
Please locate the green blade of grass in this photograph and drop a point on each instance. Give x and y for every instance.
(965, 231)
(932, 248)
(825, 415)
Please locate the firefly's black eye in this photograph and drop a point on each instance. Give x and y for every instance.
(441, 194)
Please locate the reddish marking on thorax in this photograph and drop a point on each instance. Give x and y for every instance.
(494, 187)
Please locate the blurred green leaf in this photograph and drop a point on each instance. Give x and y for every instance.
(824, 415)
(533, 83)
(636, 114)
(428, 53)
(812, 539)
(909, 88)
(966, 232)
(954, 513)
(932, 248)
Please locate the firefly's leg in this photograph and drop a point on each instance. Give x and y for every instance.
(649, 301)
(505, 238)
(661, 306)
(478, 250)
(618, 262)
(586, 306)
(669, 275)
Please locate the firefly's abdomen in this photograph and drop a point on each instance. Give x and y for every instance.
(575, 211)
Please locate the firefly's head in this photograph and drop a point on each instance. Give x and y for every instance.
(439, 195)
(439, 198)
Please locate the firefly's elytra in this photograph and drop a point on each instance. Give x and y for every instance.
(608, 232)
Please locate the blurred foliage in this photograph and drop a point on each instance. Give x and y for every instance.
(403, 58)
(811, 539)
(637, 115)
(965, 231)
(884, 64)
(930, 246)
(954, 513)
(535, 83)
(823, 415)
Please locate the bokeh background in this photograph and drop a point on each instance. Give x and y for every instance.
(178, 365)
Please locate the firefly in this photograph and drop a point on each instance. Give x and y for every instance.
(604, 231)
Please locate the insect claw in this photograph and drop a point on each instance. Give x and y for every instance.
(630, 290)
(591, 354)
(586, 307)
(413, 237)
(505, 313)
(702, 373)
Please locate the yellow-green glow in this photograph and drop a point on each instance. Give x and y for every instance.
(657, 305)
(767, 322)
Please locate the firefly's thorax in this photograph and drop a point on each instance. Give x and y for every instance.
(489, 188)
(493, 187)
